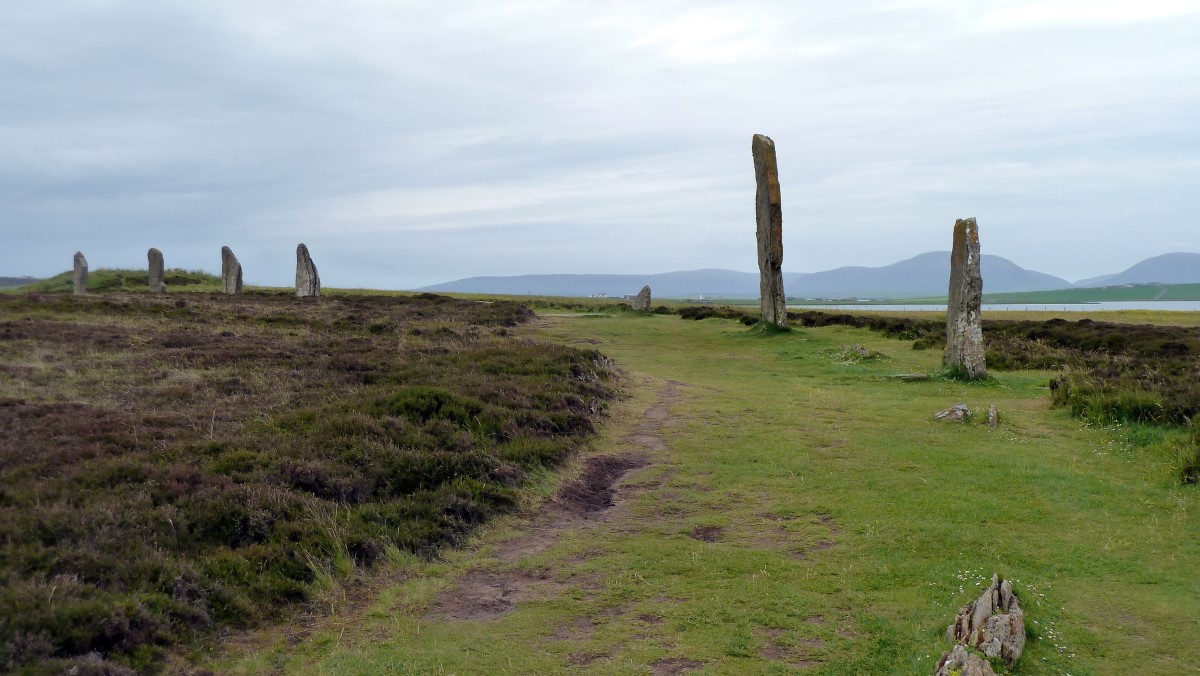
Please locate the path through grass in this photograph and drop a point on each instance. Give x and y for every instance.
(798, 510)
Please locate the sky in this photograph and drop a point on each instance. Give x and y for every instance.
(410, 143)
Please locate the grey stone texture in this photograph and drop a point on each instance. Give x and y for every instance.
(155, 258)
(994, 623)
(231, 272)
(956, 413)
(769, 217)
(81, 270)
(308, 283)
(960, 662)
(642, 302)
(964, 321)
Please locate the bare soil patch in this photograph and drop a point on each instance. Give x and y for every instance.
(674, 665)
(584, 499)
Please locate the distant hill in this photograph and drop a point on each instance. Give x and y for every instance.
(13, 282)
(105, 279)
(1172, 268)
(925, 275)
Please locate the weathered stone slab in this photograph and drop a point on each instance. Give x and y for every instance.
(769, 218)
(642, 302)
(993, 417)
(81, 272)
(960, 662)
(308, 283)
(994, 623)
(964, 321)
(155, 258)
(231, 272)
(956, 413)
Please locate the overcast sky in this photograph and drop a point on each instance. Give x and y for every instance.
(409, 143)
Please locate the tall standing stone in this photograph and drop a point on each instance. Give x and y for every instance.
(307, 281)
(769, 216)
(155, 257)
(81, 270)
(964, 322)
(231, 272)
(642, 302)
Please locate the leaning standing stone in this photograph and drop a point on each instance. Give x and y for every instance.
(642, 302)
(769, 216)
(157, 285)
(307, 282)
(81, 270)
(231, 272)
(964, 322)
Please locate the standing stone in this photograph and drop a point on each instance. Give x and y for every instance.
(642, 302)
(231, 272)
(964, 322)
(157, 285)
(307, 282)
(769, 216)
(81, 270)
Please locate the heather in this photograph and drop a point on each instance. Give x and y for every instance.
(171, 466)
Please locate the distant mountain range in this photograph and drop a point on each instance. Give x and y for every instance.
(924, 275)
(11, 282)
(921, 276)
(1172, 268)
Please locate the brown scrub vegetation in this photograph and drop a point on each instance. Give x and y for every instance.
(173, 465)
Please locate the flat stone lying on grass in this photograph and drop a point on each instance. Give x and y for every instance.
(642, 302)
(956, 413)
(960, 662)
(231, 272)
(155, 259)
(308, 283)
(994, 623)
(81, 272)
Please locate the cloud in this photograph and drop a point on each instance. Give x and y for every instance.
(551, 136)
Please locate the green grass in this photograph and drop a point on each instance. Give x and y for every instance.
(851, 527)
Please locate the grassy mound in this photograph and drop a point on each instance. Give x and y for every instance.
(111, 280)
(169, 466)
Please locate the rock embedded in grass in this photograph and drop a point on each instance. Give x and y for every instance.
(964, 321)
(231, 272)
(642, 302)
(308, 283)
(956, 413)
(960, 662)
(769, 217)
(155, 259)
(81, 273)
(993, 624)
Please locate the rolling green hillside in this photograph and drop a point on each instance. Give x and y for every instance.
(127, 280)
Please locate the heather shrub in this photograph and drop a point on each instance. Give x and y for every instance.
(230, 455)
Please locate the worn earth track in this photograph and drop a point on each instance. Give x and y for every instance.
(591, 497)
